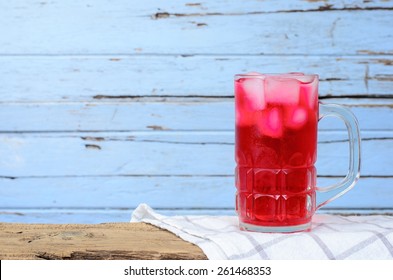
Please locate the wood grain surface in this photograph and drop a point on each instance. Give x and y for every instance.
(110, 241)
(69, 78)
(148, 27)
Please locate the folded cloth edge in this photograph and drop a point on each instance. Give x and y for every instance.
(144, 213)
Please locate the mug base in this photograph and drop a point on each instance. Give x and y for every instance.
(275, 229)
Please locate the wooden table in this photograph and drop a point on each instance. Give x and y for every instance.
(93, 242)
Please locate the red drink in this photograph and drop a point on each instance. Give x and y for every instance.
(276, 144)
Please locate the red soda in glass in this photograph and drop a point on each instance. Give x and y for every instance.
(276, 150)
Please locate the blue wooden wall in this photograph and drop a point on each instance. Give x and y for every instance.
(108, 104)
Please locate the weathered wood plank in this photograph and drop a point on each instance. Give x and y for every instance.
(119, 192)
(165, 114)
(64, 215)
(94, 215)
(225, 6)
(27, 155)
(105, 194)
(65, 79)
(101, 27)
(93, 242)
(280, 6)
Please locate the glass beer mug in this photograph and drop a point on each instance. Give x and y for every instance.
(276, 149)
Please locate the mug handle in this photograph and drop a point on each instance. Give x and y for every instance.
(338, 189)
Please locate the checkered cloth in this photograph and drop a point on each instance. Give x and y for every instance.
(331, 237)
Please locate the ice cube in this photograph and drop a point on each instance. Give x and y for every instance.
(271, 123)
(306, 79)
(309, 94)
(244, 116)
(283, 90)
(297, 118)
(244, 107)
(253, 89)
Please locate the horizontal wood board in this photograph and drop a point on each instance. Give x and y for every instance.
(125, 241)
(178, 154)
(165, 114)
(104, 78)
(103, 27)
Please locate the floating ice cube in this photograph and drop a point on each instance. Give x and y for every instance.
(297, 118)
(271, 123)
(306, 79)
(301, 77)
(284, 90)
(309, 94)
(253, 89)
(244, 117)
(244, 107)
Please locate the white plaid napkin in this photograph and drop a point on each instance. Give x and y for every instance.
(331, 237)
